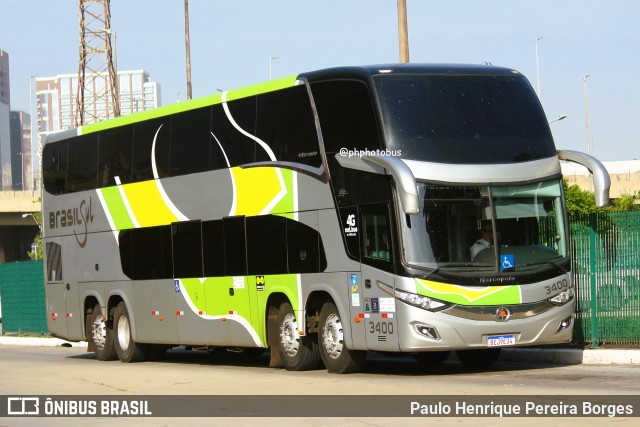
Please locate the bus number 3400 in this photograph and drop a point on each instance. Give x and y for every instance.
(381, 328)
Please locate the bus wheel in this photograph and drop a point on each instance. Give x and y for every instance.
(335, 355)
(478, 358)
(100, 335)
(298, 353)
(429, 358)
(127, 349)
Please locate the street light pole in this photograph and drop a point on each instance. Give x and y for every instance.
(188, 46)
(538, 67)
(586, 111)
(557, 119)
(403, 31)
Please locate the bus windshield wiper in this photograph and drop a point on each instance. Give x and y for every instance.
(557, 265)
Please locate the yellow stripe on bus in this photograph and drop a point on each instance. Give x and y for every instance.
(257, 188)
(147, 204)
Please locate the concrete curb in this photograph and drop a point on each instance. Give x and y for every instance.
(572, 356)
(40, 342)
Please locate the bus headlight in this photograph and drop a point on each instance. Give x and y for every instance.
(420, 301)
(563, 297)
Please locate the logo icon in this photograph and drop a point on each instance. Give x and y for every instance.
(507, 263)
(503, 314)
(23, 406)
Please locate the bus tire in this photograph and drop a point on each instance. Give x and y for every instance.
(430, 358)
(481, 358)
(100, 335)
(333, 351)
(298, 353)
(127, 349)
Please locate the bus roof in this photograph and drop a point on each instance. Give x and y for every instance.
(352, 72)
(190, 104)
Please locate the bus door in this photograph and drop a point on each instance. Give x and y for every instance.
(377, 281)
(64, 317)
(74, 313)
(55, 289)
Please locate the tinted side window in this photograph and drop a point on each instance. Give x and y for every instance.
(54, 262)
(114, 159)
(346, 114)
(305, 252)
(151, 253)
(266, 244)
(54, 166)
(352, 187)
(213, 248)
(239, 149)
(125, 245)
(187, 249)
(190, 137)
(235, 248)
(144, 134)
(285, 122)
(376, 236)
(83, 163)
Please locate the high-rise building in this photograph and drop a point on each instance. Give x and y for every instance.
(5, 93)
(56, 99)
(5, 135)
(21, 166)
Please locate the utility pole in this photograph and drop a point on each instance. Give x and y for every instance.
(403, 31)
(538, 68)
(97, 97)
(188, 46)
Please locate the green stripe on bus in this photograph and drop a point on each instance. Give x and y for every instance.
(257, 89)
(496, 295)
(116, 207)
(180, 107)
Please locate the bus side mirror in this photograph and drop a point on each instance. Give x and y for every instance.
(402, 175)
(601, 180)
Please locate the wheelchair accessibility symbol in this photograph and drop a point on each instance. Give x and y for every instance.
(507, 263)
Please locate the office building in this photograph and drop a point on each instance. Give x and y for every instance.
(56, 99)
(21, 167)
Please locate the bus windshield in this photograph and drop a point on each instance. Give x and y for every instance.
(463, 119)
(506, 228)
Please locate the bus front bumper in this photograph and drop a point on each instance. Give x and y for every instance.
(423, 330)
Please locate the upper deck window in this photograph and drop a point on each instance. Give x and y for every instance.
(468, 119)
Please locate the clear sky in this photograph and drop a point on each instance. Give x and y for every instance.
(232, 41)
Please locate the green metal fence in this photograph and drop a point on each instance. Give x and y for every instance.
(606, 265)
(23, 298)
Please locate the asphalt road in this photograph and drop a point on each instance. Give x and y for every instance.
(26, 370)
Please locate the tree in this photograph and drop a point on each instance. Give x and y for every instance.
(579, 202)
(624, 203)
(36, 246)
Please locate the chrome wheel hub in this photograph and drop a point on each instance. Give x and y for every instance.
(333, 336)
(124, 335)
(289, 339)
(99, 332)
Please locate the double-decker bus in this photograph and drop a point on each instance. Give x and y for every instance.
(410, 208)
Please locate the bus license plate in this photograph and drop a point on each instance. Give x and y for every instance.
(501, 340)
